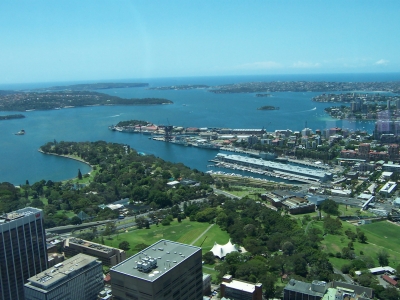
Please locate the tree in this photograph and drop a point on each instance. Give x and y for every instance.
(362, 237)
(331, 225)
(75, 221)
(110, 228)
(288, 248)
(124, 245)
(79, 174)
(390, 293)
(330, 207)
(209, 258)
(383, 257)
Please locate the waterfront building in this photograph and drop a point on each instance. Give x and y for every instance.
(235, 289)
(80, 277)
(109, 256)
(278, 168)
(23, 246)
(306, 132)
(165, 270)
(383, 127)
(252, 140)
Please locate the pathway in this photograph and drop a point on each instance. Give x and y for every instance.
(204, 232)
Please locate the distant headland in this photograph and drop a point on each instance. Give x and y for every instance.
(27, 101)
(92, 86)
(181, 87)
(306, 86)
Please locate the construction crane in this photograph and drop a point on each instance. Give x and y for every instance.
(168, 132)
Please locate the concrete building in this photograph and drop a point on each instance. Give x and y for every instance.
(107, 255)
(80, 277)
(363, 150)
(391, 168)
(165, 270)
(393, 151)
(295, 290)
(388, 189)
(23, 250)
(206, 284)
(235, 289)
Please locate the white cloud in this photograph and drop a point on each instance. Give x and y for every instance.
(261, 65)
(305, 65)
(382, 62)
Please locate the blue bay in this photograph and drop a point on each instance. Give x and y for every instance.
(20, 160)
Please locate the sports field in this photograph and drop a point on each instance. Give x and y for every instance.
(185, 232)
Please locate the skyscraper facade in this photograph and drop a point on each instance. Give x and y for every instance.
(23, 247)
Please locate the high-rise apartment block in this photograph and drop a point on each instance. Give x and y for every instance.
(165, 270)
(23, 250)
(78, 278)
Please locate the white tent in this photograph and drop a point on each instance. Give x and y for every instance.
(222, 250)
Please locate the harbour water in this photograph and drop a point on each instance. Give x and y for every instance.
(20, 160)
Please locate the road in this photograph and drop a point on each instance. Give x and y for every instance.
(345, 276)
(220, 192)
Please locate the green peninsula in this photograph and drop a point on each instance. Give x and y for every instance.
(92, 86)
(66, 99)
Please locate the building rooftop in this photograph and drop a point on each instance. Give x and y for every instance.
(152, 262)
(60, 272)
(241, 285)
(94, 246)
(18, 214)
(302, 287)
(321, 174)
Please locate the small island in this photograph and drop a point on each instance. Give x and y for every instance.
(263, 95)
(268, 107)
(67, 99)
(10, 117)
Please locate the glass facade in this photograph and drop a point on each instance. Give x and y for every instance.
(23, 246)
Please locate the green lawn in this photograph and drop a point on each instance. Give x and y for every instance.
(381, 235)
(215, 234)
(185, 232)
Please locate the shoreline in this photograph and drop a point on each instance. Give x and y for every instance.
(69, 157)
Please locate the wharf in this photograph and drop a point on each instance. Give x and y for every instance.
(308, 164)
(230, 149)
(277, 174)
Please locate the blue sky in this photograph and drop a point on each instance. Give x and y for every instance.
(118, 39)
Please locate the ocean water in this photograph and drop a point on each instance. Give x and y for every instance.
(20, 160)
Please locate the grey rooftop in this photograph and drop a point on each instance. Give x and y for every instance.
(152, 262)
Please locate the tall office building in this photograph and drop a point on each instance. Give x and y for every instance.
(23, 247)
(78, 278)
(165, 270)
